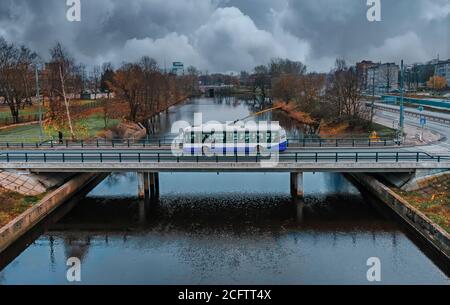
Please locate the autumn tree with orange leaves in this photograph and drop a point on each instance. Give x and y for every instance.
(437, 83)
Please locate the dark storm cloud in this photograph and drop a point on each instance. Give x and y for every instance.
(340, 28)
(229, 35)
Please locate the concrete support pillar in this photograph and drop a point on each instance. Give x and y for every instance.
(297, 185)
(152, 187)
(157, 186)
(146, 187)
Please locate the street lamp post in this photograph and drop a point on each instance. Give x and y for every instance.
(402, 114)
(38, 96)
(372, 113)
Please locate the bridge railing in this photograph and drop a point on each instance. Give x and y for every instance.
(167, 157)
(21, 143)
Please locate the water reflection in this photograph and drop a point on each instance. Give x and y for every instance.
(222, 240)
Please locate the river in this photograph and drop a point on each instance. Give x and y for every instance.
(226, 228)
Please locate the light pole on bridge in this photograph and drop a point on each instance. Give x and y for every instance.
(402, 114)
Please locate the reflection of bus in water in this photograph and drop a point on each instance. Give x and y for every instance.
(222, 138)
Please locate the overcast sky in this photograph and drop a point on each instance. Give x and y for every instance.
(232, 35)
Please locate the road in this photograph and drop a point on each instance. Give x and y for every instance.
(443, 129)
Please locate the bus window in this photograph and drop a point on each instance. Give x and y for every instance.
(253, 137)
(230, 137)
(218, 137)
(241, 137)
(276, 137)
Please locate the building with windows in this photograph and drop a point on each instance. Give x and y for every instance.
(443, 69)
(362, 68)
(383, 78)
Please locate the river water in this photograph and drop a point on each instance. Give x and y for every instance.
(226, 228)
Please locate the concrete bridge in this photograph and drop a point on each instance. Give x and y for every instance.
(164, 160)
(151, 162)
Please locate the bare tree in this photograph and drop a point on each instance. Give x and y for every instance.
(16, 76)
(285, 87)
(63, 81)
(344, 94)
(279, 66)
(95, 80)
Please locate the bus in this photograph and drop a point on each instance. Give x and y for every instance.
(222, 139)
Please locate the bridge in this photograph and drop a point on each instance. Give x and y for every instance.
(149, 163)
(166, 161)
(210, 90)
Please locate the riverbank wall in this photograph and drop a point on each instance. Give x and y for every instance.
(31, 217)
(437, 237)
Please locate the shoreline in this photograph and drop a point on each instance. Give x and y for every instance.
(433, 234)
(26, 221)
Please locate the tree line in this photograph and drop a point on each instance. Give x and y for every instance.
(336, 95)
(142, 87)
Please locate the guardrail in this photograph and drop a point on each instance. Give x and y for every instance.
(167, 141)
(143, 157)
(415, 114)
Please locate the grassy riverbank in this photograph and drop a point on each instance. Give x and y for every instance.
(333, 130)
(13, 204)
(433, 201)
(91, 120)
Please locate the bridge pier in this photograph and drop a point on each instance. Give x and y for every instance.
(148, 186)
(157, 185)
(141, 188)
(152, 186)
(297, 185)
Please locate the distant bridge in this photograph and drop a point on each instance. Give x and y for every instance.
(211, 90)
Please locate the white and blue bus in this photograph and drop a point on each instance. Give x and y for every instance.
(223, 139)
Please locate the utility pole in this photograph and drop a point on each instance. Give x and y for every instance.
(373, 97)
(38, 96)
(402, 114)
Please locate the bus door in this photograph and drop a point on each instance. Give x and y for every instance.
(224, 143)
(192, 142)
(247, 142)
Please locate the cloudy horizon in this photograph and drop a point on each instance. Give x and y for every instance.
(232, 35)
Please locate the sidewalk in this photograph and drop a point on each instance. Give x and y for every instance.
(413, 133)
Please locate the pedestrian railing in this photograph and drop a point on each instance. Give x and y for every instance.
(11, 143)
(167, 157)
